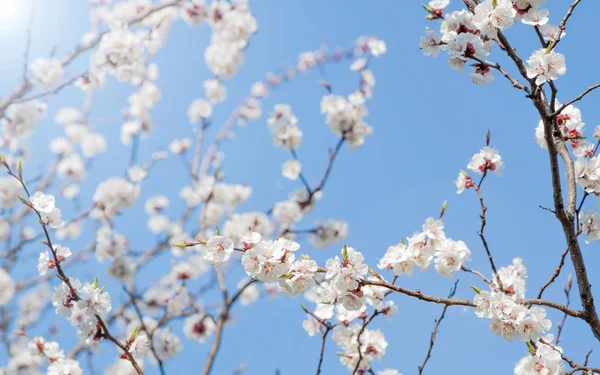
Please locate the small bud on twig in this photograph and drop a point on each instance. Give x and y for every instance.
(531, 348)
(444, 206)
(476, 289)
(20, 169)
(326, 85)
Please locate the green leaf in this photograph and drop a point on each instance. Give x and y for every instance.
(95, 282)
(476, 289)
(345, 253)
(217, 231)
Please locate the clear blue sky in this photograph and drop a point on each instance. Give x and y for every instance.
(428, 121)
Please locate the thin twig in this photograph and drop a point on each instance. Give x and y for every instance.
(457, 302)
(362, 330)
(150, 334)
(554, 275)
(436, 327)
(563, 23)
(561, 325)
(323, 341)
(63, 277)
(221, 320)
(54, 91)
(301, 175)
(482, 276)
(576, 99)
(515, 83)
(481, 229)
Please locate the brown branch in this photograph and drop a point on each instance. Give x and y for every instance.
(515, 83)
(301, 175)
(585, 195)
(323, 341)
(566, 217)
(514, 56)
(417, 294)
(234, 116)
(540, 36)
(55, 90)
(221, 319)
(587, 357)
(563, 23)
(362, 329)
(125, 350)
(554, 92)
(63, 277)
(567, 220)
(575, 367)
(11, 254)
(70, 261)
(150, 334)
(561, 325)
(41, 186)
(457, 302)
(151, 10)
(554, 275)
(332, 157)
(436, 327)
(481, 229)
(26, 86)
(576, 99)
(482, 276)
(547, 209)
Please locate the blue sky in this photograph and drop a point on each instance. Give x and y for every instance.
(428, 121)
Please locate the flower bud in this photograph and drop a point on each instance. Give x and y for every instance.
(20, 169)
(444, 206)
(476, 289)
(345, 253)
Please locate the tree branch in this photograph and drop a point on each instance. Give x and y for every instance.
(576, 99)
(436, 327)
(554, 275)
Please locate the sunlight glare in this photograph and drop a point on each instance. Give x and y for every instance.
(13, 16)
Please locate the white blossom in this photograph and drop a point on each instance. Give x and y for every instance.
(46, 73)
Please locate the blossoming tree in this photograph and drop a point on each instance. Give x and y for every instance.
(211, 235)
